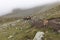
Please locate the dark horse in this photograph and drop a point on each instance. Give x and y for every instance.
(27, 18)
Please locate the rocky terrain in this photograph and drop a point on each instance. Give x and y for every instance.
(20, 29)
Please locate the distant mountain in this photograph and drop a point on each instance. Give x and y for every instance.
(39, 9)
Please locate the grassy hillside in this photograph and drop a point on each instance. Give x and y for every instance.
(19, 29)
(52, 13)
(22, 30)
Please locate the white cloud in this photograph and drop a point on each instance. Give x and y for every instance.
(8, 5)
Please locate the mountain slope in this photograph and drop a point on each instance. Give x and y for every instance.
(20, 29)
(38, 9)
(51, 13)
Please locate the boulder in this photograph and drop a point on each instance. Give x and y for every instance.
(39, 35)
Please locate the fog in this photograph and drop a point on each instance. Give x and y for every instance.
(7, 5)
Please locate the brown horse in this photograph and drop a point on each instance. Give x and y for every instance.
(27, 18)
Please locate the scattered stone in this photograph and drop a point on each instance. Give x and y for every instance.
(13, 24)
(39, 35)
(59, 31)
(46, 32)
(16, 28)
(18, 21)
(10, 37)
(25, 21)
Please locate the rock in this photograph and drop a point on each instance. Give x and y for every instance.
(46, 32)
(13, 24)
(10, 37)
(39, 35)
(18, 21)
(16, 28)
(59, 31)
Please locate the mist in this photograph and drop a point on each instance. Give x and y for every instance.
(7, 6)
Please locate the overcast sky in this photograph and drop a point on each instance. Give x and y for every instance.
(8, 5)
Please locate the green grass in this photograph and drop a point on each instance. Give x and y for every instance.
(27, 32)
